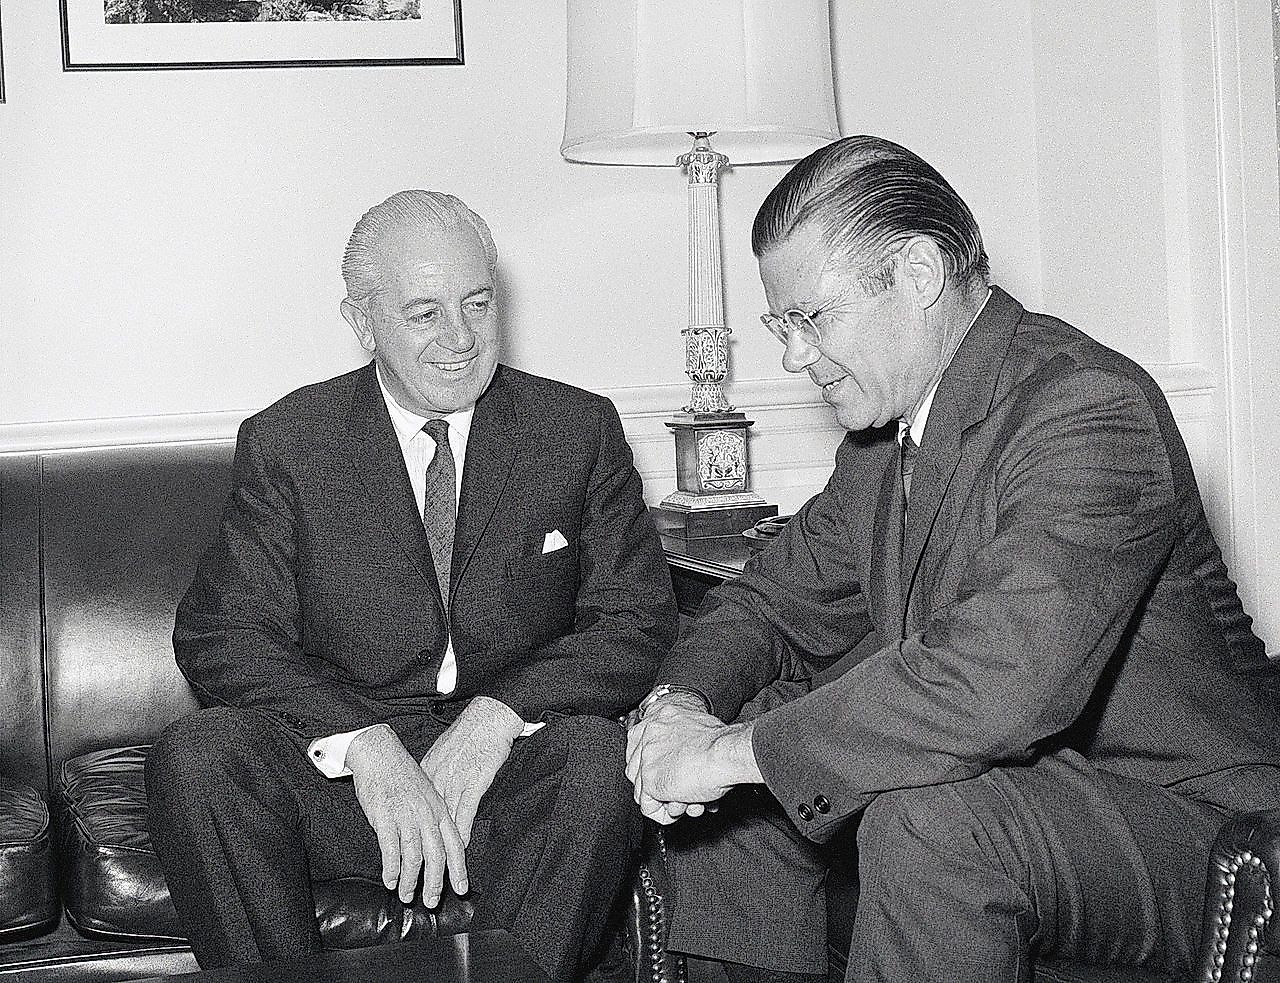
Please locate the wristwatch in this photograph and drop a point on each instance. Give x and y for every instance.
(666, 689)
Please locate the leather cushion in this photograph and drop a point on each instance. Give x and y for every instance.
(114, 888)
(112, 884)
(122, 530)
(28, 897)
(22, 733)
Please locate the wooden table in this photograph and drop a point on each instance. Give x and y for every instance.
(697, 565)
(477, 957)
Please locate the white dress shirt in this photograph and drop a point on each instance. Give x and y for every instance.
(329, 754)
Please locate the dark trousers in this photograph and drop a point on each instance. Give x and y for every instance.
(243, 824)
(971, 880)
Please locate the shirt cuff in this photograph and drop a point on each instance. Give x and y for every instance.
(532, 728)
(329, 754)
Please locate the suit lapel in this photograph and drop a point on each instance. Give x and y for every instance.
(491, 451)
(885, 598)
(963, 398)
(380, 466)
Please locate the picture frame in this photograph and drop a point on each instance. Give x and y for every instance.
(125, 35)
(1, 59)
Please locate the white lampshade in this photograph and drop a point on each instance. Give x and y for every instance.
(643, 74)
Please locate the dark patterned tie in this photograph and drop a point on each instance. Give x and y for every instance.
(909, 451)
(439, 504)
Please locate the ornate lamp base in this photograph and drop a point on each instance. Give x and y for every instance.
(711, 497)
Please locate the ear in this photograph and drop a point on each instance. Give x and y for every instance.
(926, 270)
(361, 322)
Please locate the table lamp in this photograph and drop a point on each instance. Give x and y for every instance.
(655, 83)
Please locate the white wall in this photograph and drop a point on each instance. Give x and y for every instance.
(169, 241)
(1155, 133)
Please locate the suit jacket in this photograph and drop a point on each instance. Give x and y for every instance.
(317, 603)
(1057, 587)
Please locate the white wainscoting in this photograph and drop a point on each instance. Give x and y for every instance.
(793, 441)
(25, 438)
(795, 436)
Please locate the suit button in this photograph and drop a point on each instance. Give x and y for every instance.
(805, 812)
(821, 804)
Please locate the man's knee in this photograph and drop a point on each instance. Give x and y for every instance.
(595, 757)
(594, 747)
(925, 828)
(196, 752)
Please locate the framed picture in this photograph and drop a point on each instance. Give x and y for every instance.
(118, 35)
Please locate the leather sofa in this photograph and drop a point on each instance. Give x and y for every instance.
(96, 547)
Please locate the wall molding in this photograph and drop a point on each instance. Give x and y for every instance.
(782, 407)
(122, 431)
(792, 448)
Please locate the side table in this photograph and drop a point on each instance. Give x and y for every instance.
(697, 565)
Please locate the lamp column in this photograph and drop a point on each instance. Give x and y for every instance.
(713, 496)
(706, 339)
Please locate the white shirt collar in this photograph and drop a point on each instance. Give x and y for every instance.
(916, 423)
(408, 424)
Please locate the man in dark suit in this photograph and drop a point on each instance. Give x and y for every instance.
(1011, 660)
(435, 574)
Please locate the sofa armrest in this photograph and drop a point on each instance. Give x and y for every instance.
(646, 928)
(1240, 940)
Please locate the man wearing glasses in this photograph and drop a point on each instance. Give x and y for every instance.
(998, 656)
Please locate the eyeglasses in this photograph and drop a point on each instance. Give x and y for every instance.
(794, 322)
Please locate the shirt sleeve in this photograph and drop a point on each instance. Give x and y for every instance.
(329, 754)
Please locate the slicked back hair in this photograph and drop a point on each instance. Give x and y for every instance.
(362, 264)
(866, 196)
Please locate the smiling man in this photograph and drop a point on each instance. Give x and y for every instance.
(435, 577)
(997, 663)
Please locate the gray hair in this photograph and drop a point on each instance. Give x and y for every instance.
(362, 267)
(866, 196)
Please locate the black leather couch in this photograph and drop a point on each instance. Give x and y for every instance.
(96, 548)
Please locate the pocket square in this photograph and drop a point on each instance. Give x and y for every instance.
(554, 541)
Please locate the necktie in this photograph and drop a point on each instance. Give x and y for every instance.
(439, 505)
(909, 451)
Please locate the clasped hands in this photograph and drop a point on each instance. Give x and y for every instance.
(681, 759)
(423, 812)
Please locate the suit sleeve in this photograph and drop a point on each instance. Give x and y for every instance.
(237, 633)
(801, 595)
(625, 612)
(1084, 520)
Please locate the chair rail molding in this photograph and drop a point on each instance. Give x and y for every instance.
(169, 428)
(793, 441)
